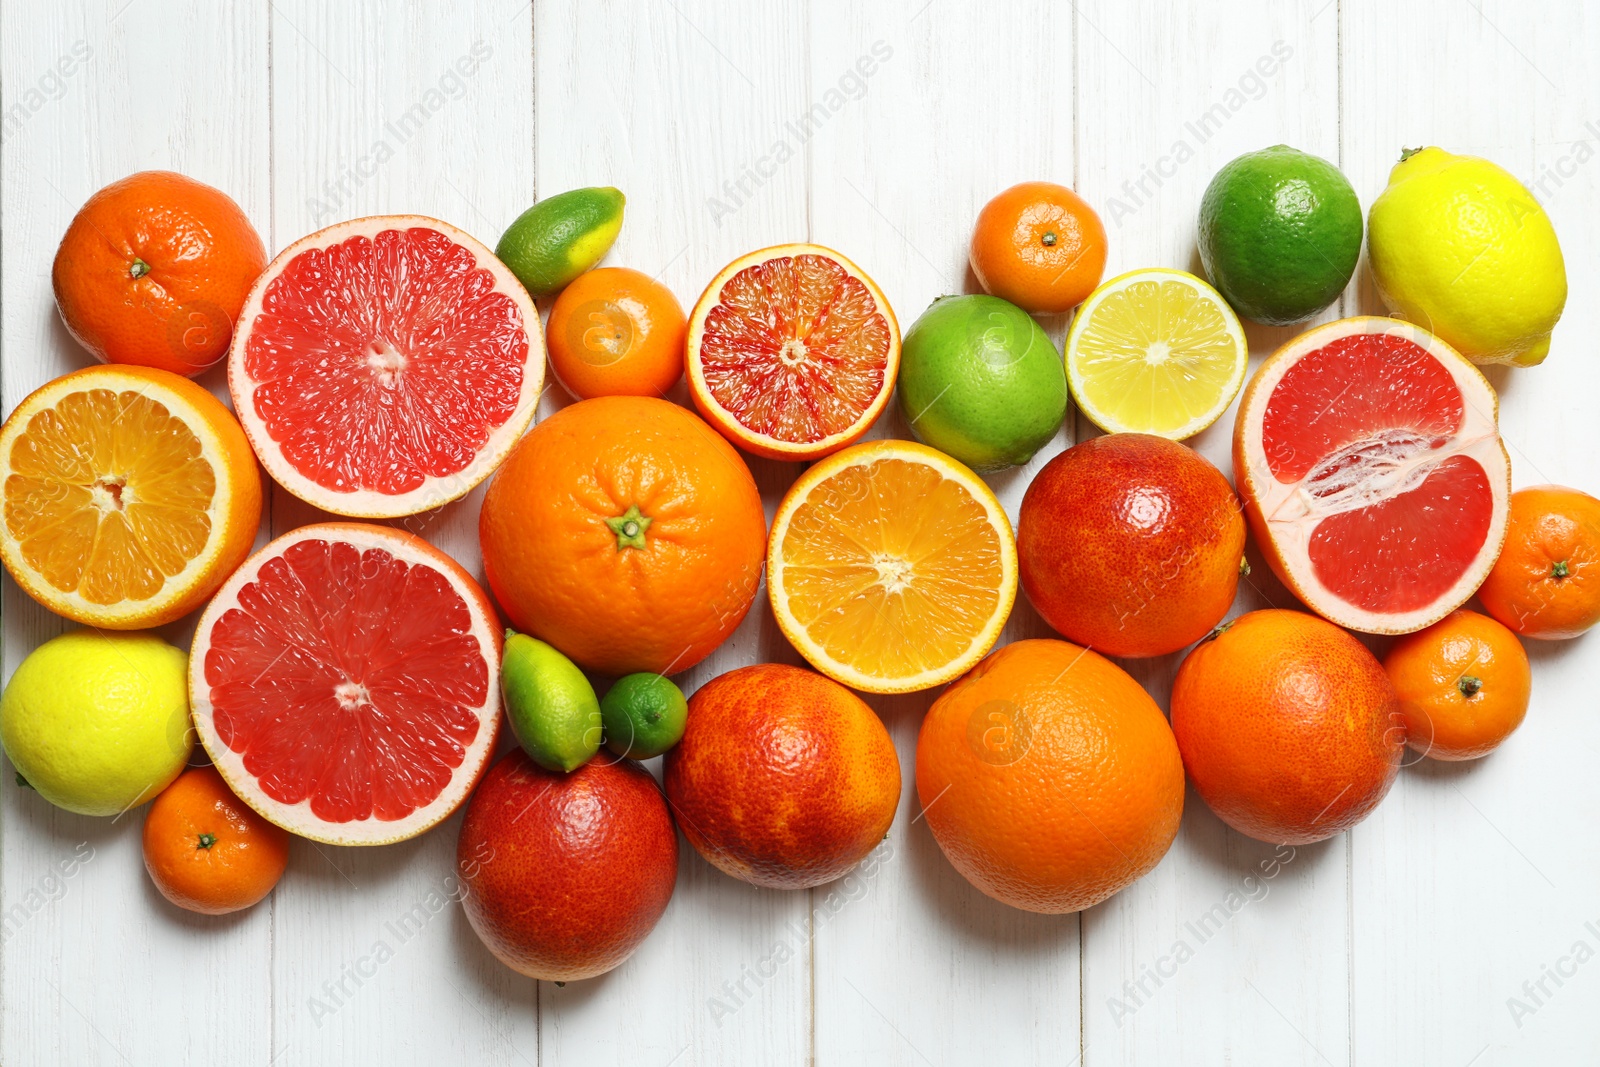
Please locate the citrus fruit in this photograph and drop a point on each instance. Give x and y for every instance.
(561, 236)
(1040, 246)
(98, 723)
(564, 875)
(385, 366)
(1462, 683)
(625, 532)
(1280, 234)
(1130, 544)
(792, 352)
(128, 494)
(549, 703)
(1370, 463)
(1155, 351)
(783, 778)
(891, 567)
(1546, 583)
(1462, 249)
(153, 270)
(616, 332)
(644, 714)
(346, 682)
(207, 851)
(1289, 728)
(981, 382)
(1049, 777)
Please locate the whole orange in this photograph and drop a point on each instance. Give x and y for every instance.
(1463, 685)
(1130, 544)
(1049, 777)
(208, 851)
(1040, 246)
(1546, 583)
(154, 270)
(616, 332)
(1289, 728)
(625, 532)
(784, 778)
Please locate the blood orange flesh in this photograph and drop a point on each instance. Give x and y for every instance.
(345, 682)
(384, 366)
(1373, 473)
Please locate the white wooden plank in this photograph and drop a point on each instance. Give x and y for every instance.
(98, 968)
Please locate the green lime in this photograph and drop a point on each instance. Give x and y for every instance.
(644, 715)
(551, 705)
(560, 237)
(1280, 234)
(981, 382)
(98, 723)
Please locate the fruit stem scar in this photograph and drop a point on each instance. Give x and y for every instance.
(1049, 239)
(630, 527)
(138, 268)
(1560, 570)
(1469, 685)
(206, 841)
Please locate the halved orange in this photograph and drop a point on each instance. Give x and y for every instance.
(891, 567)
(792, 352)
(127, 496)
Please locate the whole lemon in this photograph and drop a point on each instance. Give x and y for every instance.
(1460, 247)
(99, 722)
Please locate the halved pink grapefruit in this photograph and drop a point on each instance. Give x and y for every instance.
(385, 366)
(1368, 455)
(346, 682)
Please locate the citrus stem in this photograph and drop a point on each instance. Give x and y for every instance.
(1221, 629)
(1049, 239)
(207, 840)
(1560, 570)
(138, 268)
(630, 527)
(1407, 153)
(1244, 567)
(1469, 685)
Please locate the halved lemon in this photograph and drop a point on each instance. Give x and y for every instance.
(1155, 351)
(127, 496)
(891, 567)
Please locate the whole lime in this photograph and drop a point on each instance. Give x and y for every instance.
(981, 382)
(550, 704)
(644, 714)
(1280, 234)
(560, 237)
(98, 723)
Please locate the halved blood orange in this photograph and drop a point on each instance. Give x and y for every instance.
(792, 352)
(1368, 455)
(385, 366)
(345, 681)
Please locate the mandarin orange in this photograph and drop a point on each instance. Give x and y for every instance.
(616, 332)
(206, 850)
(1463, 685)
(1546, 583)
(1040, 246)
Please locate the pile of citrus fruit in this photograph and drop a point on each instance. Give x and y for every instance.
(348, 681)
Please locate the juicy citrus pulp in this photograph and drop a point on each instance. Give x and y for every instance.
(1155, 351)
(891, 567)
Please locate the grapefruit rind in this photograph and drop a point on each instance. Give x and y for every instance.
(297, 818)
(1280, 514)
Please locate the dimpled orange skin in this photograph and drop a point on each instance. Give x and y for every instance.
(1040, 246)
(1130, 544)
(202, 256)
(1550, 525)
(1049, 777)
(784, 778)
(237, 869)
(1445, 718)
(562, 574)
(565, 875)
(616, 332)
(1289, 728)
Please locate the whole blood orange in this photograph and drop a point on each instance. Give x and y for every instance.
(1130, 544)
(616, 332)
(1289, 728)
(563, 876)
(153, 270)
(1463, 685)
(626, 533)
(784, 778)
(206, 850)
(1546, 583)
(1040, 246)
(1049, 777)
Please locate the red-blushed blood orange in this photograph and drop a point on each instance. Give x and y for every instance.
(1375, 482)
(783, 778)
(792, 352)
(564, 875)
(1289, 727)
(385, 366)
(346, 682)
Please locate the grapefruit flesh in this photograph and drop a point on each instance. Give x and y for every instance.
(346, 683)
(385, 366)
(1373, 473)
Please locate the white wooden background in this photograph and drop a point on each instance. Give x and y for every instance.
(1401, 942)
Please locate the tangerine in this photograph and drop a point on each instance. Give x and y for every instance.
(1546, 583)
(1463, 685)
(1040, 246)
(616, 332)
(206, 850)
